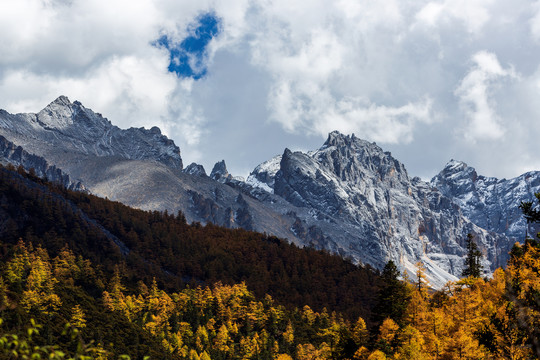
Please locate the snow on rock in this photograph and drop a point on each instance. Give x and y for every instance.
(195, 169)
(64, 129)
(349, 196)
(263, 176)
(367, 208)
(488, 202)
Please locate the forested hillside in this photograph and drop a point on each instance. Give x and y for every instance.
(83, 276)
(151, 245)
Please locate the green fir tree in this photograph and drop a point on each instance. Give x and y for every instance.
(473, 266)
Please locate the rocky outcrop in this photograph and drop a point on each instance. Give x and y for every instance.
(195, 169)
(220, 173)
(17, 156)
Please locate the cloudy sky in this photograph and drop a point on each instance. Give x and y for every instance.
(241, 80)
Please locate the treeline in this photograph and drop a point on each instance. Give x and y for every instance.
(164, 247)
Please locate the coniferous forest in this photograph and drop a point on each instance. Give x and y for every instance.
(87, 278)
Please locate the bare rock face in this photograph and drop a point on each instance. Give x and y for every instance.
(490, 203)
(195, 169)
(220, 173)
(17, 156)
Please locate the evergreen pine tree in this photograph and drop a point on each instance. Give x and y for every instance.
(473, 267)
(393, 297)
(531, 214)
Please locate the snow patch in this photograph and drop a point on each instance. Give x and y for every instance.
(253, 181)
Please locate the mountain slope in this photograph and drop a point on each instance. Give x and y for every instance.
(17, 156)
(489, 202)
(349, 197)
(153, 245)
(139, 167)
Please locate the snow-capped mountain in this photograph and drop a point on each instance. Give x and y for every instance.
(490, 203)
(383, 214)
(139, 167)
(349, 197)
(64, 130)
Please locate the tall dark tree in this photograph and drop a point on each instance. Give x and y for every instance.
(393, 297)
(473, 267)
(530, 212)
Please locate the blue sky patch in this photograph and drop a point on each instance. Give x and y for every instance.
(188, 58)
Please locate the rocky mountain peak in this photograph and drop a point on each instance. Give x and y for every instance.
(490, 203)
(347, 157)
(287, 155)
(351, 159)
(58, 114)
(335, 138)
(62, 100)
(66, 129)
(220, 173)
(455, 177)
(456, 168)
(195, 169)
(62, 114)
(263, 175)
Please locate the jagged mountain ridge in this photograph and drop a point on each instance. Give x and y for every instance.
(141, 168)
(351, 181)
(489, 202)
(349, 196)
(64, 130)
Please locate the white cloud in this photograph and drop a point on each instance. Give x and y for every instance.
(474, 94)
(188, 120)
(61, 38)
(473, 14)
(306, 108)
(316, 59)
(326, 65)
(535, 21)
(384, 70)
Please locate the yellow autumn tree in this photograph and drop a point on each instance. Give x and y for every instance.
(412, 345)
(77, 317)
(377, 355)
(360, 333)
(310, 352)
(387, 335)
(39, 294)
(223, 340)
(283, 357)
